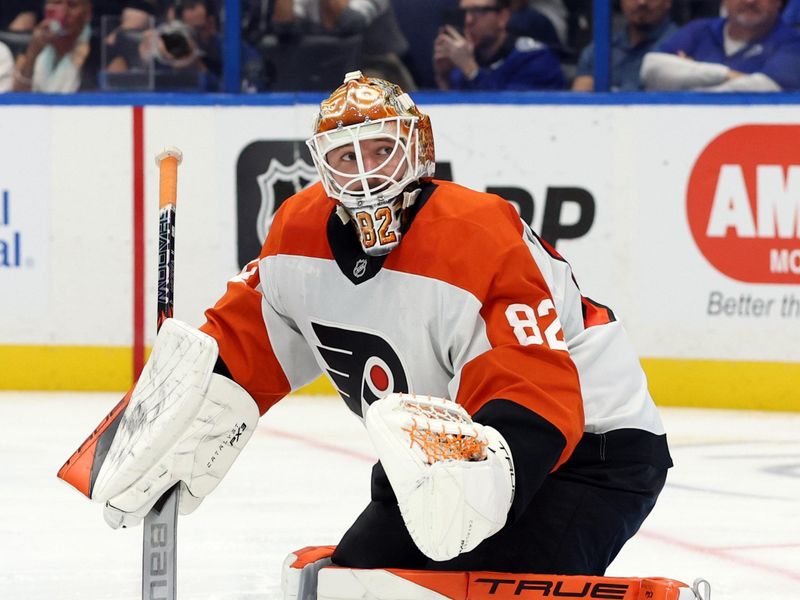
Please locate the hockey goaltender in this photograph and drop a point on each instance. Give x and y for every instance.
(519, 446)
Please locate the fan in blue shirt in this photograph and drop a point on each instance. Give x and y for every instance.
(646, 25)
(487, 57)
(750, 50)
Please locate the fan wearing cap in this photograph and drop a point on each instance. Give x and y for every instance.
(509, 413)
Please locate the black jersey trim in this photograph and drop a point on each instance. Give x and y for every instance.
(536, 445)
(353, 262)
(548, 248)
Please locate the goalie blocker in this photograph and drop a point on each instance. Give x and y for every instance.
(309, 575)
(181, 423)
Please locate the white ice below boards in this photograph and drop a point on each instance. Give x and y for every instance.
(729, 512)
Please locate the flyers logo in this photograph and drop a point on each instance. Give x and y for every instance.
(363, 366)
(743, 203)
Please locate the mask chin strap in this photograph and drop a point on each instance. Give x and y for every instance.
(410, 197)
(342, 213)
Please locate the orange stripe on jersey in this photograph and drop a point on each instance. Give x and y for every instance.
(298, 228)
(300, 225)
(244, 346)
(446, 225)
(595, 313)
(528, 363)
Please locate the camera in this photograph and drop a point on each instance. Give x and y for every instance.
(176, 40)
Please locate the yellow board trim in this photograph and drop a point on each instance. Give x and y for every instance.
(80, 368)
(673, 382)
(724, 384)
(321, 386)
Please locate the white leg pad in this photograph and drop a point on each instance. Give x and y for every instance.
(370, 584)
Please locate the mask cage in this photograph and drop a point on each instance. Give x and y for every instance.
(368, 187)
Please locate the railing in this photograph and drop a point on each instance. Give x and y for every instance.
(602, 20)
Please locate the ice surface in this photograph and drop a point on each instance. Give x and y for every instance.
(730, 511)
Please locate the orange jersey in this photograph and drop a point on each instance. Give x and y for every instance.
(470, 306)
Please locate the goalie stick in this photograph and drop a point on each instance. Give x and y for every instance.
(159, 549)
(160, 531)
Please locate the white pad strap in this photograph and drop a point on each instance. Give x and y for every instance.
(300, 572)
(453, 478)
(183, 423)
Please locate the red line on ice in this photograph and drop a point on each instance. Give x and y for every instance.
(722, 553)
(761, 546)
(309, 441)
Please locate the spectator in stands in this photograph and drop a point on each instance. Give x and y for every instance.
(646, 23)
(557, 13)
(139, 14)
(56, 56)
(19, 15)
(185, 53)
(127, 14)
(791, 14)
(487, 57)
(256, 19)
(383, 42)
(749, 50)
(168, 49)
(200, 17)
(119, 17)
(6, 68)
(684, 11)
(528, 22)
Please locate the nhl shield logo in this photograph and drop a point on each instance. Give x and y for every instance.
(267, 173)
(360, 268)
(297, 175)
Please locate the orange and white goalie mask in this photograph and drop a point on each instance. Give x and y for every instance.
(372, 146)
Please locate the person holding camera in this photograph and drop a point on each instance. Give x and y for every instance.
(168, 47)
(185, 52)
(487, 57)
(201, 19)
(59, 48)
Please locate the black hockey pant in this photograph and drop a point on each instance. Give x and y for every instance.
(573, 526)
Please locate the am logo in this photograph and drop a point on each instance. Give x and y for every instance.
(269, 171)
(743, 203)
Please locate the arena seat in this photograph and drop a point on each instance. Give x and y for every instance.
(309, 62)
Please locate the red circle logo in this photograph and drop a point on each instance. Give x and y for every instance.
(743, 203)
(379, 378)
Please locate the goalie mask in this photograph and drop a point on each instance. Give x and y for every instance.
(371, 146)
